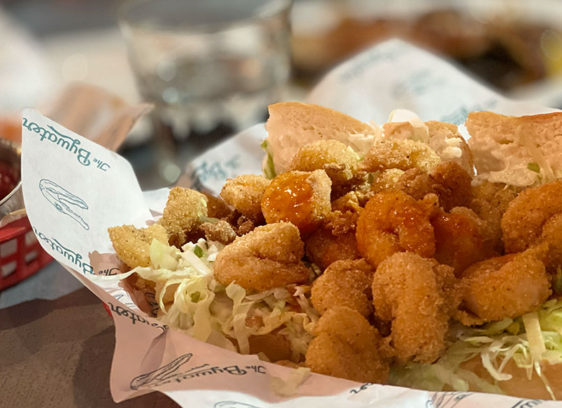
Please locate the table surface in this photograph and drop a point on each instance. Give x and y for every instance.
(57, 344)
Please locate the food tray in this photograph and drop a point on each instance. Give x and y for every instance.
(20, 254)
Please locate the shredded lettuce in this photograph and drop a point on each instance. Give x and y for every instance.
(268, 165)
(190, 299)
(527, 341)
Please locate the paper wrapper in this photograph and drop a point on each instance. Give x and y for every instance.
(74, 190)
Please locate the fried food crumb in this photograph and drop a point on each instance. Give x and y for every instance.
(132, 244)
(339, 161)
(183, 213)
(244, 193)
(220, 231)
(403, 154)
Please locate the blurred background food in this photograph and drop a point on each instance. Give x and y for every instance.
(514, 46)
(508, 44)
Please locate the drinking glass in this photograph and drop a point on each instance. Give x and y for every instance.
(208, 64)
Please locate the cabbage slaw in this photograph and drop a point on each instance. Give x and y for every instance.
(527, 341)
(190, 299)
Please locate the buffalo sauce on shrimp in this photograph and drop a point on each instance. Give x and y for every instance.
(302, 198)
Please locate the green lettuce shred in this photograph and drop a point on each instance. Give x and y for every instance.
(269, 166)
(190, 299)
(526, 341)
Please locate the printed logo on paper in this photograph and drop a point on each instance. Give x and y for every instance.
(233, 404)
(72, 256)
(171, 372)
(64, 201)
(68, 143)
(527, 403)
(447, 399)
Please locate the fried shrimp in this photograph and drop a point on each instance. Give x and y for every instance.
(323, 247)
(449, 181)
(458, 238)
(392, 222)
(418, 295)
(345, 211)
(266, 258)
(244, 193)
(552, 234)
(132, 244)
(182, 213)
(523, 221)
(302, 198)
(489, 202)
(338, 160)
(403, 154)
(344, 283)
(217, 207)
(386, 180)
(220, 231)
(506, 286)
(453, 185)
(347, 346)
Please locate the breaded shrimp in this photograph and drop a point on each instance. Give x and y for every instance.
(217, 207)
(453, 185)
(386, 180)
(523, 221)
(220, 231)
(489, 202)
(552, 234)
(344, 283)
(418, 295)
(393, 221)
(449, 181)
(345, 211)
(403, 154)
(244, 193)
(347, 202)
(266, 258)
(458, 238)
(338, 160)
(347, 346)
(506, 286)
(323, 247)
(302, 198)
(132, 244)
(415, 182)
(183, 213)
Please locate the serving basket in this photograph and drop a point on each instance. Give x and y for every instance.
(20, 254)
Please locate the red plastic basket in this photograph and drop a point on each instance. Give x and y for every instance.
(20, 253)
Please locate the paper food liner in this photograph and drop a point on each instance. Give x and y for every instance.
(89, 110)
(74, 190)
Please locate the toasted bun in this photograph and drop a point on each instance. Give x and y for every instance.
(520, 151)
(520, 385)
(443, 138)
(294, 124)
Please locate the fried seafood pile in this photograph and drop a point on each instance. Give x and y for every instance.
(380, 252)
